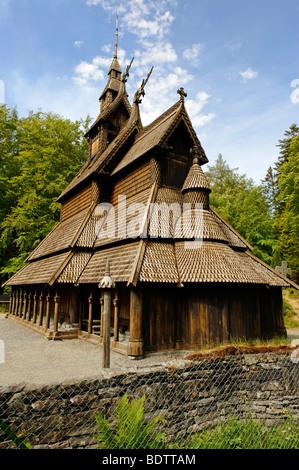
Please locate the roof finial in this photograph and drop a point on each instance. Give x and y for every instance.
(195, 154)
(182, 94)
(126, 74)
(116, 37)
(140, 92)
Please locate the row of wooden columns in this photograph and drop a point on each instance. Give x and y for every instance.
(136, 347)
(116, 306)
(30, 306)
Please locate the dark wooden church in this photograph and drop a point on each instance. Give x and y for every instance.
(177, 285)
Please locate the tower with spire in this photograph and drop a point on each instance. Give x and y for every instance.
(171, 288)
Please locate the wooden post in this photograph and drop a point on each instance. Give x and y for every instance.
(29, 305)
(57, 300)
(90, 302)
(41, 305)
(48, 306)
(24, 305)
(106, 329)
(12, 300)
(136, 346)
(20, 303)
(35, 297)
(116, 302)
(102, 311)
(106, 284)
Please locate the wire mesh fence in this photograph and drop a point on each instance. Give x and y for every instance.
(228, 400)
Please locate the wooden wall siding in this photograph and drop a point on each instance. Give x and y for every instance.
(192, 318)
(76, 204)
(159, 319)
(271, 311)
(174, 172)
(133, 183)
(69, 306)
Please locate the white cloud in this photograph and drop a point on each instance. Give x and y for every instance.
(155, 54)
(144, 18)
(194, 108)
(86, 71)
(248, 74)
(295, 93)
(193, 52)
(78, 43)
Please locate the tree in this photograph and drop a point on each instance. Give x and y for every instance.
(244, 205)
(42, 153)
(287, 220)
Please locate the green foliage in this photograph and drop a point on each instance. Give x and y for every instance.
(40, 155)
(19, 442)
(287, 219)
(244, 205)
(129, 429)
(248, 434)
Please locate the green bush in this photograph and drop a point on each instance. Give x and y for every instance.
(128, 429)
(248, 433)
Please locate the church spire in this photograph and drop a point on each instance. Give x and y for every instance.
(116, 38)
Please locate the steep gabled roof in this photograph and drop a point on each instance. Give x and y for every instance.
(157, 133)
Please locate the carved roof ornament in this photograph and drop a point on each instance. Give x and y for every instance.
(107, 282)
(126, 73)
(140, 92)
(182, 94)
(195, 154)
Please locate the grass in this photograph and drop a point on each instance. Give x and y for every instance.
(248, 433)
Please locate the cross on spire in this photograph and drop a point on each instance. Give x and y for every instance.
(182, 94)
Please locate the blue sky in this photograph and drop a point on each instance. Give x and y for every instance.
(237, 60)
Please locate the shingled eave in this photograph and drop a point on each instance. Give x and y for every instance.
(273, 271)
(245, 242)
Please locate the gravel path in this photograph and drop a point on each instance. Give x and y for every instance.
(32, 359)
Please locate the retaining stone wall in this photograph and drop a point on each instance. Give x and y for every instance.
(190, 395)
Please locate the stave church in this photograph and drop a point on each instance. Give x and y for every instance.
(184, 279)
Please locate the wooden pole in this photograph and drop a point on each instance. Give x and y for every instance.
(57, 300)
(106, 284)
(48, 306)
(136, 340)
(29, 305)
(106, 329)
(20, 303)
(35, 297)
(25, 305)
(116, 316)
(41, 305)
(12, 301)
(90, 301)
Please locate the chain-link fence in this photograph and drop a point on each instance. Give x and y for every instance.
(229, 399)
